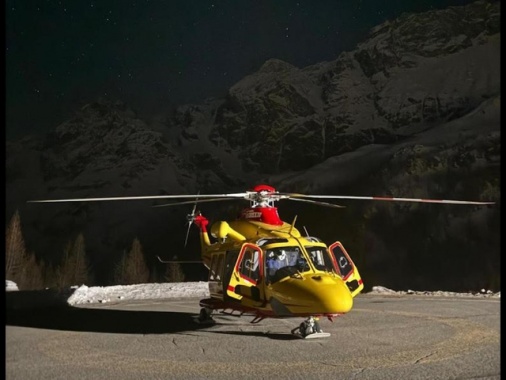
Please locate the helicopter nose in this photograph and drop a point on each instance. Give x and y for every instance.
(315, 294)
(335, 296)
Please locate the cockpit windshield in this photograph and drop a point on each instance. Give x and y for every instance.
(284, 261)
(287, 261)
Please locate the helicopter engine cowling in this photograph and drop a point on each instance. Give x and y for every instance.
(267, 215)
(222, 230)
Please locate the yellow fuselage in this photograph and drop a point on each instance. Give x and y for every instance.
(242, 244)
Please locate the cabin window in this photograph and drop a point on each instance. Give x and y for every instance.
(249, 267)
(215, 269)
(229, 264)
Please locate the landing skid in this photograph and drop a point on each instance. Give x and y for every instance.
(205, 317)
(208, 322)
(309, 329)
(312, 336)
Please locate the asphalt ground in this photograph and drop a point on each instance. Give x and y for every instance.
(383, 337)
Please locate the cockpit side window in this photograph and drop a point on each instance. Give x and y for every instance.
(320, 258)
(343, 261)
(249, 265)
(216, 267)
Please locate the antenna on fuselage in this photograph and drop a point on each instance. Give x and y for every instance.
(293, 224)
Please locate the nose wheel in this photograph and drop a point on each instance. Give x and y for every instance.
(205, 316)
(310, 328)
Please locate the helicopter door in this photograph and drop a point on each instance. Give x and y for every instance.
(346, 268)
(247, 275)
(230, 260)
(215, 275)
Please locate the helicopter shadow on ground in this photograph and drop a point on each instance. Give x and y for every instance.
(275, 336)
(69, 318)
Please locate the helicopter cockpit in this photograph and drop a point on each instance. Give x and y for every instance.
(284, 261)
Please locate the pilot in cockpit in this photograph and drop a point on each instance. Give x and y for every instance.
(276, 259)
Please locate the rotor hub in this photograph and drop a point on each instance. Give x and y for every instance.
(263, 196)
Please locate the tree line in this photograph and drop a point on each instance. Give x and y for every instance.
(31, 273)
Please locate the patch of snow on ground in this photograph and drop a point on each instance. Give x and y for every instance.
(79, 295)
(10, 286)
(97, 294)
(481, 293)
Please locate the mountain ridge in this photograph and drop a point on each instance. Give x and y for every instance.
(391, 117)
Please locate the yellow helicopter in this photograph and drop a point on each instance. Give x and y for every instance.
(262, 266)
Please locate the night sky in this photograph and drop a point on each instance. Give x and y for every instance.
(153, 55)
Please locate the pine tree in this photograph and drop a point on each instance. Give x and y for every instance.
(174, 273)
(31, 276)
(132, 268)
(15, 250)
(80, 273)
(20, 267)
(50, 275)
(63, 270)
(74, 267)
(119, 270)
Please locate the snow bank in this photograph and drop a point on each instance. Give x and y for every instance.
(10, 286)
(79, 295)
(481, 293)
(97, 294)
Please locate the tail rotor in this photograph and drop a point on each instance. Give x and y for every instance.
(190, 218)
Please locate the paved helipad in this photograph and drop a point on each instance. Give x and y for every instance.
(383, 337)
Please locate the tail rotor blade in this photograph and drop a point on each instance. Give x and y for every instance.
(190, 218)
(187, 233)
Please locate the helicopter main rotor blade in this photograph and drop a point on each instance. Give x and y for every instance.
(316, 202)
(261, 197)
(195, 201)
(391, 199)
(232, 196)
(187, 233)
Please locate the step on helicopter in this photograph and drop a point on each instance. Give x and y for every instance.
(262, 266)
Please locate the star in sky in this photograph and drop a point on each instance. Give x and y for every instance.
(62, 54)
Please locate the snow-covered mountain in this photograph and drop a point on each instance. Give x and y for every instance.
(413, 111)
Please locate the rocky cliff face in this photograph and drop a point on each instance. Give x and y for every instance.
(413, 111)
(417, 71)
